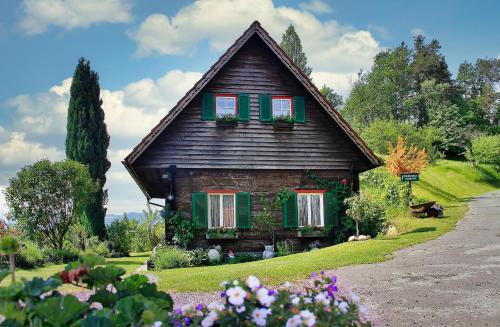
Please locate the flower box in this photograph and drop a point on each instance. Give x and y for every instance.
(283, 124)
(221, 236)
(227, 123)
(312, 233)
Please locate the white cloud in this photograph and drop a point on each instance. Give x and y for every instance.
(329, 45)
(340, 83)
(317, 7)
(130, 113)
(417, 31)
(71, 14)
(17, 151)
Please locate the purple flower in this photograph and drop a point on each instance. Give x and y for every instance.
(271, 292)
(313, 274)
(331, 289)
(322, 272)
(178, 311)
(187, 321)
(334, 279)
(177, 323)
(223, 294)
(199, 307)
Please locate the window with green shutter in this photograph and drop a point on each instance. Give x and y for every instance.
(243, 107)
(207, 107)
(299, 110)
(243, 210)
(290, 213)
(265, 109)
(199, 210)
(331, 209)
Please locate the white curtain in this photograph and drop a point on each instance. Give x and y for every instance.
(214, 204)
(315, 209)
(302, 202)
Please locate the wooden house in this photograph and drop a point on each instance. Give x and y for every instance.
(253, 125)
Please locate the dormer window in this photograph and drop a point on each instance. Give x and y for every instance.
(226, 104)
(282, 106)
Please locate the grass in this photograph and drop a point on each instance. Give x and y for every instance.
(451, 183)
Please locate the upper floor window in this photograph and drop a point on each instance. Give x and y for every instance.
(310, 208)
(226, 104)
(282, 106)
(221, 210)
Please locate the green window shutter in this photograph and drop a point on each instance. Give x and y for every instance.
(290, 212)
(207, 107)
(299, 109)
(200, 210)
(331, 204)
(243, 212)
(243, 107)
(265, 107)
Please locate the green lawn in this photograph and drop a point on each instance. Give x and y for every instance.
(451, 183)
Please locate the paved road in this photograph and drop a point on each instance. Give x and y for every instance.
(453, 280)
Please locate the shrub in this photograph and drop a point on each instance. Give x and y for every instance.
(198, 257)
(170, 257)
(149, 232)
(284, 248)
(97, 247)
(59, 256)
(368, 214)
(29, 256)
(403, 159)
(485, 150)
(120, 237)
(243, 257)
(182, 228)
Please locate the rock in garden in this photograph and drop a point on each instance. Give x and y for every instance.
(352, 238)
(214, 256)
(363, 238)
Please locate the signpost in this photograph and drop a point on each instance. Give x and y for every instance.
(409, 177)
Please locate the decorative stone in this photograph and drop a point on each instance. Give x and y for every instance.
(363, 238)
(352, 238)
(214, 255)
(268, 252)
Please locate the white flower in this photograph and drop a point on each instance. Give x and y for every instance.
(308, 317)
(362, 309)
(343, 306)
(215, 306)
(259, 316)
(287, 284)
(355, 298)
(96, 305)
(235, 282)
(207, 322)
(236, 295)
(157, 324)
(296, 300)
(253, 282)
(240, 309)
(322, 298)
(307, 300)
(264, 298)
(187, 308)
(295, 321)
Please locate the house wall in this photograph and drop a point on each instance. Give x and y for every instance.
(189, 142)
(257, 182)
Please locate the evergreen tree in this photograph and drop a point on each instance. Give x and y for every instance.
(333, 97)
(290, 43)
(87, 139)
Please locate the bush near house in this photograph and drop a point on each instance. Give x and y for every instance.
(485, 149)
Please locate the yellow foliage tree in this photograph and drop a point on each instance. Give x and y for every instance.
(404, 159)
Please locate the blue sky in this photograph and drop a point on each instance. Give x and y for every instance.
(148, 53)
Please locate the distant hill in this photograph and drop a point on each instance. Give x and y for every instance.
(131, 215)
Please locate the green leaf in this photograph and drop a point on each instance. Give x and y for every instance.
(91, 260)
(132, 284)
(4, 273)
(130, 308)
(12, 291)
(94, 321)
(60, 310)
(37, 286)
(102, 276)
(13, 315)
(107, 299)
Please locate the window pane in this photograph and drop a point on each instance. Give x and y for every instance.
(315, 210)
(214, 210)
(302, 202)
(276, 104)
(225, 106)
(285, 104)
(228, 203)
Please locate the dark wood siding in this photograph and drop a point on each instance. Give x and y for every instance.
(259, 183)
(190, 142)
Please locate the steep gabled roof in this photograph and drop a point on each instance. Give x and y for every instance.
(254, 29)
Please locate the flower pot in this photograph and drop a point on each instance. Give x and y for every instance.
(311, 234)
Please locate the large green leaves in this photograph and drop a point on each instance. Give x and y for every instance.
(37, 286)
(102, 276)
(59, 311)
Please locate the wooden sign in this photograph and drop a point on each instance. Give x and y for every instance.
(409, 177)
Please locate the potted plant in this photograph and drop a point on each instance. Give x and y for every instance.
(222, 233)
(283, 122)
(227, 121)
(313, 231)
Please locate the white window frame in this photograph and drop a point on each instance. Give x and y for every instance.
(281, 100)
(227, 96)
(309, 209)
(221, 210)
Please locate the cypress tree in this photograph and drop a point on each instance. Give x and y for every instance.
(87, 139)
(290, 43)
